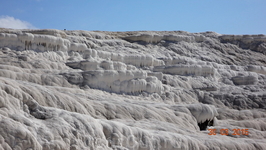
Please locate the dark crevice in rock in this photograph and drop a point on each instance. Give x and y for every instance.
(203, 125)
(38, 111)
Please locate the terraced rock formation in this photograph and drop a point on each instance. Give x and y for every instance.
(142, 90)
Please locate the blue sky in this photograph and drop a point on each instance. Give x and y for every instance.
(221, 16)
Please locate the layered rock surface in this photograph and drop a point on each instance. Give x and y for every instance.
(131, 90)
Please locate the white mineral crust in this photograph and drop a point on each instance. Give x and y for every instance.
(146, 90)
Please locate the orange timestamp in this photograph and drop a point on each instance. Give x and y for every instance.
(226, 131)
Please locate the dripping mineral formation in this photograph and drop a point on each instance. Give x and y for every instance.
(69, 90)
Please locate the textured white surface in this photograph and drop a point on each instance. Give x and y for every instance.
(130, 90)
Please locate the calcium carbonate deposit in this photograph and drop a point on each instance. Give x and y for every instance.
(146, 90)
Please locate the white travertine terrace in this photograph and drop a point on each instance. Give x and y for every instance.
(142, 90)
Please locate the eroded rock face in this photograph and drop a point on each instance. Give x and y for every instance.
(253, 42)
(244, 80)
(131, 90)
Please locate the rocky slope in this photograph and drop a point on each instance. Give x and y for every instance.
(131, 90)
